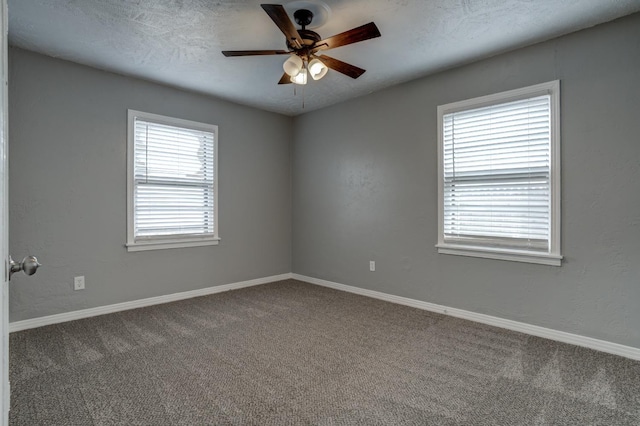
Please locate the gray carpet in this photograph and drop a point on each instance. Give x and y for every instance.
(291, 353)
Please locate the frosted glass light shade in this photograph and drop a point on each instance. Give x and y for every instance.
(292, 65)
(317, 69)
(300, 78)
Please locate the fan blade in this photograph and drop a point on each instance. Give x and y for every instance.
(343, 67)
(286, 79)
(365, 32)
(253, 52)
(279, 16)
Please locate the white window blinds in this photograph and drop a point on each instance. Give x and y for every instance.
(173, 181)
(496, 164)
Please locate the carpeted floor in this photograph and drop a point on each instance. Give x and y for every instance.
(292, 353)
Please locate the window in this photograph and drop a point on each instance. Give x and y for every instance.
(172, 182)
(499, 176)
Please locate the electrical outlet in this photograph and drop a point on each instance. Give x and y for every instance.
(372, 265)
(78, 283)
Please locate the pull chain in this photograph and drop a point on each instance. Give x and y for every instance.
(296, 94)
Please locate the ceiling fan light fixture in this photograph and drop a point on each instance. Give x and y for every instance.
(301, 77)
(317, 69)
(293, 65)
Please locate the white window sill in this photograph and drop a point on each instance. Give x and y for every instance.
(162, 245)
(501, 254)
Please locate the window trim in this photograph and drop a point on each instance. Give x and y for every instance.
(171, 242)
(553, 257)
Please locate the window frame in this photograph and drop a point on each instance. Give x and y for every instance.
(553, 256)
(169, 242)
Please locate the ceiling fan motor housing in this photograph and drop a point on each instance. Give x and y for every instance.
(309, 37)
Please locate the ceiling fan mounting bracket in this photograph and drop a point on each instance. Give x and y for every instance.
(320, 10)
(303, 17)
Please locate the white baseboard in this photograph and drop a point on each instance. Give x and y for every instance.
(101, 310)
(534, 330)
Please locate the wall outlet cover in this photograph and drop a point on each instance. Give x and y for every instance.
(78, 283)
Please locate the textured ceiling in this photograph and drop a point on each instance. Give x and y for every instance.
(178, 42)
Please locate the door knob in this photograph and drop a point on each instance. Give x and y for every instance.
(29, 265)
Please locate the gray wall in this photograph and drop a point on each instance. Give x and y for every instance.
(68, 189)
(365, 188)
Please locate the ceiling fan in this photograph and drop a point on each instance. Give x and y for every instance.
(304, 46)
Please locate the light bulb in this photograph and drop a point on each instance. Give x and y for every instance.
(317, 69)
(292, 65)
(300, 78)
